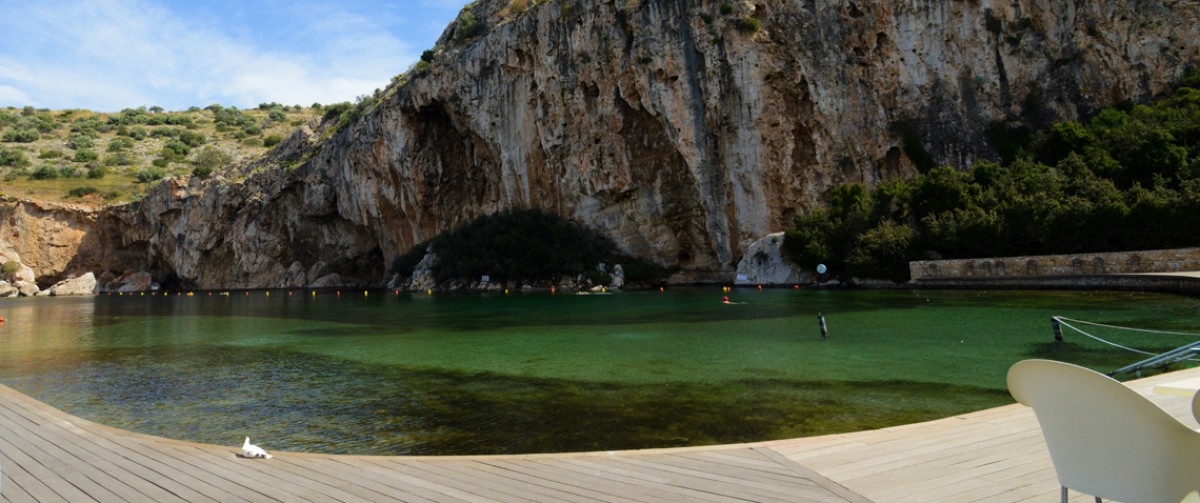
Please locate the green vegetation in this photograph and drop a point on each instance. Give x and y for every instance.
(523, 246)
(12, 157)
(208, 160)
(82, 191)
(748, 25)
(9, 269)
(84, 155)
(1128, 179)
(468, 26)
(726, 8)
(118, 147)
(151, 174)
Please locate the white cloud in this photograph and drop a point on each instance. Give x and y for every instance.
(111, 54)
(10, 94)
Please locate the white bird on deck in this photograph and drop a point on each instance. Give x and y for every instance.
(250, 450)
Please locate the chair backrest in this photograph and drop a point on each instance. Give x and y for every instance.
(1106, 439)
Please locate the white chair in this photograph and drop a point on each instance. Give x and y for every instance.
(1106, 439)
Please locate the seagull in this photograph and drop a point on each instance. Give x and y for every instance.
(250, 450)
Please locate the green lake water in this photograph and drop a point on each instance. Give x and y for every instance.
(474, 374)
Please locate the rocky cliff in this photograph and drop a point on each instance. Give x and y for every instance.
(685, 129)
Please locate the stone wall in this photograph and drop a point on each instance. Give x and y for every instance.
(1148, 261)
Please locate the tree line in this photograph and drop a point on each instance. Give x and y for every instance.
(1126, 179)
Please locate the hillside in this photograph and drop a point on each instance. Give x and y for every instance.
(96, 159)
(682, 129)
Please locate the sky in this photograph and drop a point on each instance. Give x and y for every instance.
(107, 55)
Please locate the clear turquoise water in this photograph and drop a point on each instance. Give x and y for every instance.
(459, 374)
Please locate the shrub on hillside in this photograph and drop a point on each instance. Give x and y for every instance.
(151, 174)
(44, 172)
(209, 159)
(12, 157)
(77, 141)
(22, 135)
(78, 192)
(85, 155)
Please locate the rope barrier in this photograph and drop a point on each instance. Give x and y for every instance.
(1143, 330)
(1110, 343)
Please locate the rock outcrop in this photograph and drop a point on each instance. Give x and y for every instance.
(763, 264)
(47, 239)
(140, 281)
(682, 131)
(83, 285)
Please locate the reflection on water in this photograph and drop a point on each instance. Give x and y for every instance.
(464, 374)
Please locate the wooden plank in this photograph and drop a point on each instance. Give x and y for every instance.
(377, 481)
(534, 475)
(66, 448)
(542, 485)
(445, 492)
(714, 483)
(601, 474)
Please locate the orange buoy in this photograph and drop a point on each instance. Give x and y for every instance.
(661, 289)
(1, 319)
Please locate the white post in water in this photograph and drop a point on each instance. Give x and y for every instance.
(824, 329)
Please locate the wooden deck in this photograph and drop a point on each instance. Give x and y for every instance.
(995, 455)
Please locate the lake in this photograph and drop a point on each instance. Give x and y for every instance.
(380, 373)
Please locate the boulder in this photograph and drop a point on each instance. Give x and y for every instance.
(27, 288)
(296, 276)
(7, 290)
(328, 281)
(618, 277)
(134, 282)
(82, 285)
(422, 278)
(763, 264)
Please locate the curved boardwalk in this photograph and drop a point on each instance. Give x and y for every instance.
(992, 455)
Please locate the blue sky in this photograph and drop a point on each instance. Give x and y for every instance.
(106, 55)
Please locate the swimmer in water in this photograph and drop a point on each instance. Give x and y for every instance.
(725, 300)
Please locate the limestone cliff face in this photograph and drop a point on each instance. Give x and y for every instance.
(681, 131)
(45, 237)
